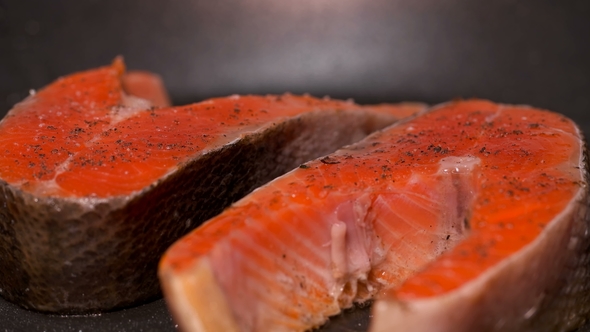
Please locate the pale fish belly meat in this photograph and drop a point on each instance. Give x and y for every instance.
(470, 217)
(98, 176)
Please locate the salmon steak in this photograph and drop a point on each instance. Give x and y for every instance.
(470, 217)
(99, 175)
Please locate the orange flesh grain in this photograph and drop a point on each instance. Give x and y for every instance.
(146, 85)
(271, 253)
(83, 136)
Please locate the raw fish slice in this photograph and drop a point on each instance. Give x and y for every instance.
(471, 217)
(147, 86)
(95, 183)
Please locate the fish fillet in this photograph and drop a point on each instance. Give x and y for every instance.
(95, 183)
(471, 217)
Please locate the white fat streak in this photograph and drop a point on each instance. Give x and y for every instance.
(402, 316)
(130, 107)
(352, 249)
(338, 250)
(425, 314)
(458, 165)
(457, 173)
(493, 116)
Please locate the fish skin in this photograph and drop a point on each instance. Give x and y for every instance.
(95, 184)
(473, 217)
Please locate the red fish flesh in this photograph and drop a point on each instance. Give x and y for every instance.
(471, 217)
(95, 183)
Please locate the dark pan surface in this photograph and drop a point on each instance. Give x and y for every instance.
(150, 317)
(528, 52)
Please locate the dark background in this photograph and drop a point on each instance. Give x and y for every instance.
(528, 52)
(534, 52)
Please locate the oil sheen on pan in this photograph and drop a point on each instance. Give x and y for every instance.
(98, 176)
(471, 217)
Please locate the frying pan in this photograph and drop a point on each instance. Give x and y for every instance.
(533, 52)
